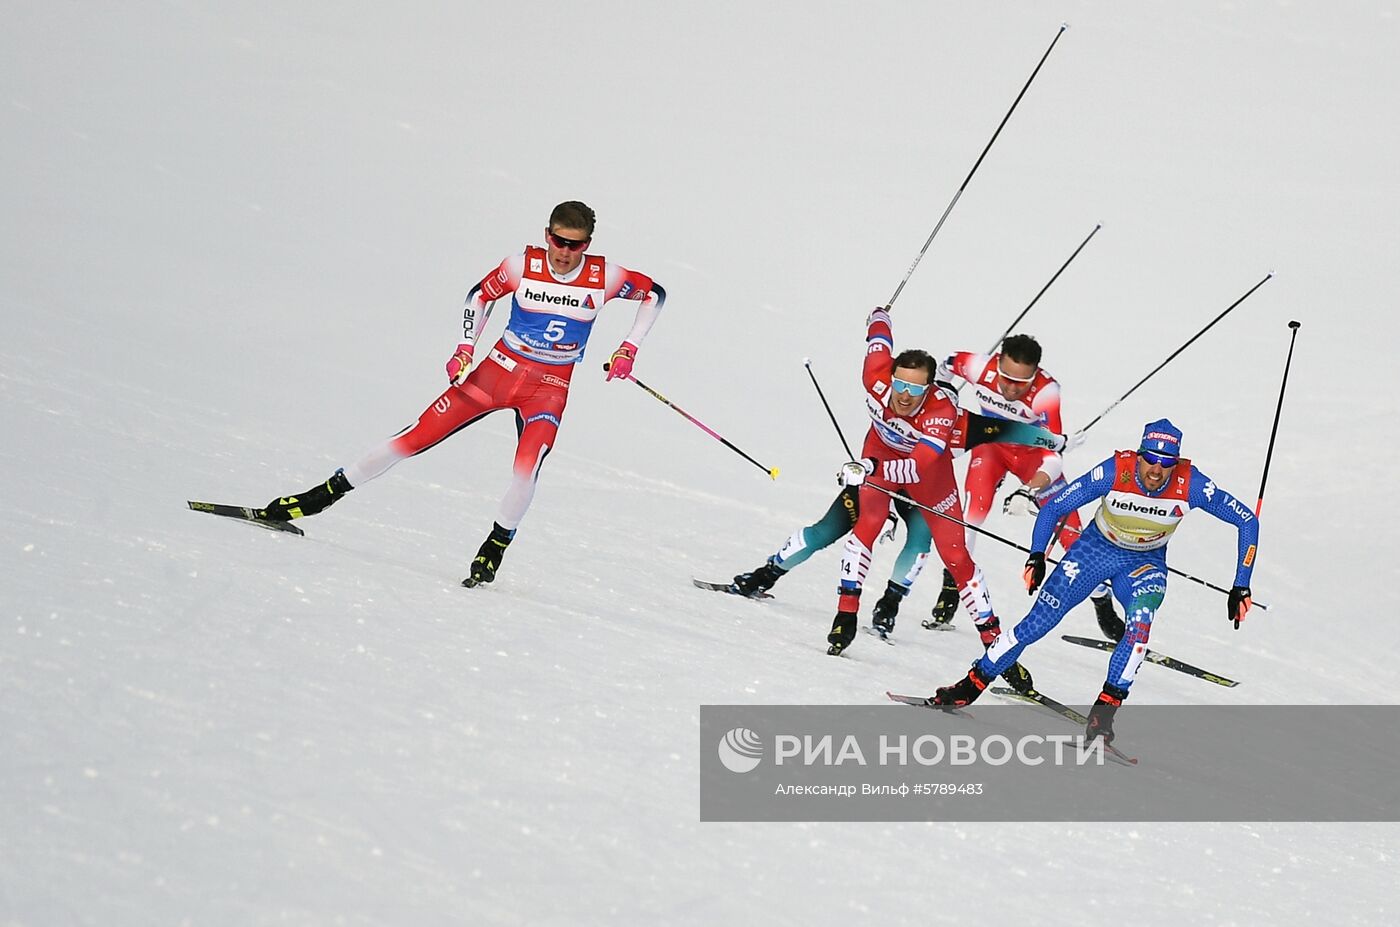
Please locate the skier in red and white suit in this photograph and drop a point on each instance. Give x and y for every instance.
(1010, 384)
(556, 292)
(907, 450)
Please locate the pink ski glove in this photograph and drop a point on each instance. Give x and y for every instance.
(460, 364)
(620, 364)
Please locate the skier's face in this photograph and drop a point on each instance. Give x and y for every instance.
(1014, 378)
(906, 403)
(566, 246)
(1152, 474)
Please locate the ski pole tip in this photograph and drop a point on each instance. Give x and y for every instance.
(606, 366)
(773, 473)
(1295, 324)
(806, 362)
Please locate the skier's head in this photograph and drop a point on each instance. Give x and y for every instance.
(1158, 453)
(1017, 366)
(569, 231)
(910, 375)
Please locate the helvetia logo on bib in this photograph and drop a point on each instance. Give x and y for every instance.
(740, 750)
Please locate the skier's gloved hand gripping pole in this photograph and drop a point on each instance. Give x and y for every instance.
(956, 196)
(771, 471)
(1037, 557)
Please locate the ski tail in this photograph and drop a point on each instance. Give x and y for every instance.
(1160, 659)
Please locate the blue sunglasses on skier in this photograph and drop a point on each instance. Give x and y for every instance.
(910, 389)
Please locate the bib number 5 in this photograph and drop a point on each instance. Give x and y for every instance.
(554, 330)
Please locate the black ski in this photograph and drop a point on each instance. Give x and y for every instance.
(1069, 714)
(729, 588)
(1153, 656)
(243, 513)
(1037, 697)
(932, 625)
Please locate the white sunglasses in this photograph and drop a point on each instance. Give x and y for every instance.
(1006, 376)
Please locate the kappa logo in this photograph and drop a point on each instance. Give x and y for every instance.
(1071, 569)
(1209, 490)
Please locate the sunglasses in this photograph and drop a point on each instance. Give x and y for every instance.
(1006, 376)
(1165, 461)
(911, 389)
(567, 244)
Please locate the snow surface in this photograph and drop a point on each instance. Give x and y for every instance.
(236, 239)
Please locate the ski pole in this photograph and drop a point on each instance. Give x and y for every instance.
(807, 362)
(954, 201)
(1018, 318)
(1268, 458)
(1173, 355)
(771, 471)
(977, 528)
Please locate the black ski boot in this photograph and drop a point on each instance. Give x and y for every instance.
(1101, 714)
(843, 631)
(963, 692)
(316, 499)
(488, 559)
(1019, 678)
(887, 607)
(760, 580)
(947, 605)
(1109, 622)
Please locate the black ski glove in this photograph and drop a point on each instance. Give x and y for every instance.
(1240, 600)
(1034, 574)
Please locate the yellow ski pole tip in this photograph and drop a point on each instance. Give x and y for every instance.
(773, 473)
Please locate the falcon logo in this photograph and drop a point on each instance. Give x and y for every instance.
(1071, 569)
